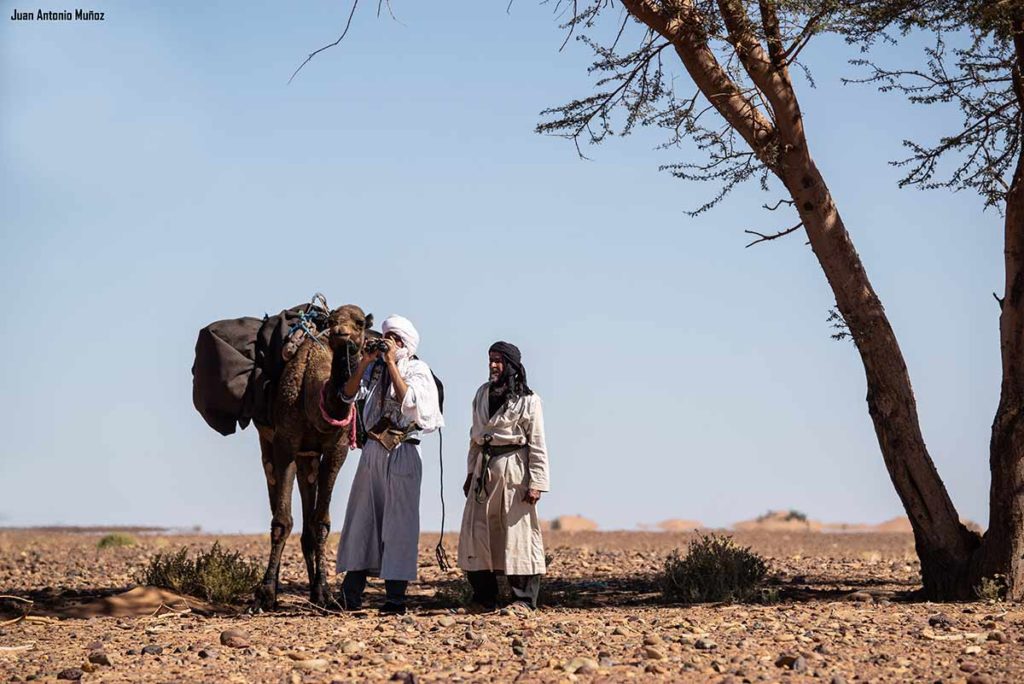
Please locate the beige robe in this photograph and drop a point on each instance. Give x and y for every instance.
(503, 532)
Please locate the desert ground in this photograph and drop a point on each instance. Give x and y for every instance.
(842, 609)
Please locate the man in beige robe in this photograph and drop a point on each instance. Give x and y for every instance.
(507, 472)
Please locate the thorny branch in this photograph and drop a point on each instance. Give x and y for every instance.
(979, 75)
(774, 236)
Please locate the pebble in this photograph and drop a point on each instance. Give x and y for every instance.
(997, 636)
(655, 668)
(207, 653)
(446, 621)
(351, 647)
(860, 597)
(968, 666)
(791, 662)
(311, 664)
(940, 620)
(152, 649)
(581, 666)
(705, 645)
(653, 653)
(972, 650)
(100, 658)
(980, 678)
(652, 640)
(234, 638)
(72, 673)
(404, 677)
(837, 679)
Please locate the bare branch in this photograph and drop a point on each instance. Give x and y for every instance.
(774, 236)
(778, 204)
(348, 24)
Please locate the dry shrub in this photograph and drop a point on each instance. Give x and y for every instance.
(715, 568)
(215, 575)
(455, 592)
(115, 540)
(991, 588)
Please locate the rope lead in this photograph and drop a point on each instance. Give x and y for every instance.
(439, 552)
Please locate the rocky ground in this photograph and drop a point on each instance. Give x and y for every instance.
(842, 611)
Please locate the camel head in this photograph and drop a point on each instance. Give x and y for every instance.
(346, 327)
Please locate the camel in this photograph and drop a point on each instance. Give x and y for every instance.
(310, 439)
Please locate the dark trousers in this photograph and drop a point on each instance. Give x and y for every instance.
(354, 584)
(485, 587)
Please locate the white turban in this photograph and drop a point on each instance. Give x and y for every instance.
(403, 327)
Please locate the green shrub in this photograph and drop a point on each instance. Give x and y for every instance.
(714, 568)
(115, 540)
(215, 575)
(455, 592)
(991, 588)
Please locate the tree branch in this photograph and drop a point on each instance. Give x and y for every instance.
(348, 24)
(761, 237)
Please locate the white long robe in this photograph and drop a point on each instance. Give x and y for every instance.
(382, 520)
(503, 532)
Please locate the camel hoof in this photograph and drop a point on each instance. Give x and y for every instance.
(321, 597)
(265, 598)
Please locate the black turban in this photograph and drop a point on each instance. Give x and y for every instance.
(512, 382)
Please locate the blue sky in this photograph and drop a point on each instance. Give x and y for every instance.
(160, 173)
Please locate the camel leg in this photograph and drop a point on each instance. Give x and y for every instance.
(308, 473)
(320, 521)
(279, 467)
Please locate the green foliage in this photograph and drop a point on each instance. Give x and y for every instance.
(768, 596)
(715, 568)
(991, 588)
(115, 540)
(214, 575)
(456, 592)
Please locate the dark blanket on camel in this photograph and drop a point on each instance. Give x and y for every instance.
(237, 366)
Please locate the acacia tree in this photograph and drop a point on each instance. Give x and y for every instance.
(739, 55)
(743, 116)
(981, 74)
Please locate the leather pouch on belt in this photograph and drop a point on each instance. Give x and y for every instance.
(385, 432)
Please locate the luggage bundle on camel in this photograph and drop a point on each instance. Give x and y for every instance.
(239, 362)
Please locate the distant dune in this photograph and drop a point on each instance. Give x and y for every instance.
(569, 523)
(779, 521)
(674, 525)
(794, 521)
(900, 524)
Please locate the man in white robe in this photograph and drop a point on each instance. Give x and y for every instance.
(508, 471)
(382, 521)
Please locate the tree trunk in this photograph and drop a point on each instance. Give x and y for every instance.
(1003, 551)
(944, 546)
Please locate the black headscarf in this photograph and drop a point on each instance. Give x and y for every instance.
(511, 384)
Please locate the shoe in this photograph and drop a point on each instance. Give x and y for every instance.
(351, 604)
(476, 608)
(390, 608)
